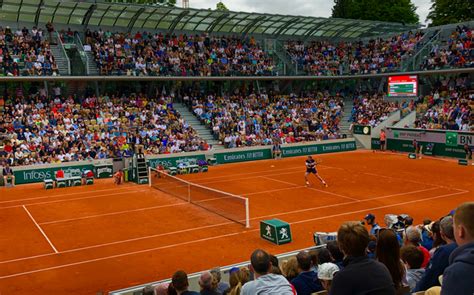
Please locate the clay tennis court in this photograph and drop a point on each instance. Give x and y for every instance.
(83, 240)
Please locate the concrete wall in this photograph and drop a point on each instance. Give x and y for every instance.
(407, 120)
(365, 140)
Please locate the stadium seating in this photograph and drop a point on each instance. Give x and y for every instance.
(25, 52)
(41, 130)
(259, 119)
(371, 110)
(457, 52)
(155, 54)
(321, 58)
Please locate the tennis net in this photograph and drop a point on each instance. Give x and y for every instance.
(232, 207)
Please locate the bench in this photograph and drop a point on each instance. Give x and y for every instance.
(48, 184)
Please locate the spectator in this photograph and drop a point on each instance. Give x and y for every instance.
(388, 253)
(237, 278)
(162, 289)
(438, 240)
(290, 268)
(412, 256)
(324, 256)
(326, 274)
(457, 277)
(8, 175)
(221, 286)
(336, 253)
(206, 284)
(413, 237)
(307, 281)
(265, 282)
(370, 218)
(148, 290)
(180, 283)
(440, 259)
(360, 274)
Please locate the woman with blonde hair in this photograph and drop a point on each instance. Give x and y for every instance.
(289, 268)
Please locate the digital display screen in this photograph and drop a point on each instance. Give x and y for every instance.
(403, 85)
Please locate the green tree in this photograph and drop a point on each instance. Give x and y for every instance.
(403, 11)
(221, 7)
(450, 11)
(149, 2)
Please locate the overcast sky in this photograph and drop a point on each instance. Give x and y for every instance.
(321, 8)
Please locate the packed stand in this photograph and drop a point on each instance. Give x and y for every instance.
(450, 106)
(458, 53)
(262, 119)
(26, 52)
(371, 110)
(397, 258)
(38, 129)
(380, 55)
(155, 54)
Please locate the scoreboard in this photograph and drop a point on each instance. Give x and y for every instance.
(403, 85)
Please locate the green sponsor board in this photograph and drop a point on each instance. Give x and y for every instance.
(242, 156)
(275, 231)
(451, 138)
(103, 171)
(39, 174)
(323, 148)
(174, 161)
(363, 130)
(429, 148)
(375, 143)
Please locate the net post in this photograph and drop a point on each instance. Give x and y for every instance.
(247, 213)
(149, 176)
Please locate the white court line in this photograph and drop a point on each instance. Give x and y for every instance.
(227, 223)
(158, 207)
(216, 237)
(312, 188)
(40, 229)
(59, 195)
(247, 173)
(75, 199)
(114, 213)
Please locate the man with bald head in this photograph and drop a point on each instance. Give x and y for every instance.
(205, 281)
(265, 282)
(307, 281)
(458, 277)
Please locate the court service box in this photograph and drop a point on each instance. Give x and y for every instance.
(275, 231)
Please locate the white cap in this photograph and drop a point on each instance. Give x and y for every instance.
(327, 270)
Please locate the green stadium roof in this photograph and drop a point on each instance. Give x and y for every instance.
(163, 18)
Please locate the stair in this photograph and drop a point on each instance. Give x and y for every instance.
(346, 124)
(203, 132)
(91, 65)
(61, 59)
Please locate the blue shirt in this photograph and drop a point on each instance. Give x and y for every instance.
(307, 282)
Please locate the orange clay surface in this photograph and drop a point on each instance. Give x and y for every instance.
(83, 240)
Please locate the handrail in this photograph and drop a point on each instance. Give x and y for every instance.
(82, 52)
(430, 42)
(61, 45)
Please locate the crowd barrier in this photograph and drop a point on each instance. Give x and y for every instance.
(194, 277)
(446, 143)
(104, 168)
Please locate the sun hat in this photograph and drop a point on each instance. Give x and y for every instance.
(327, 270)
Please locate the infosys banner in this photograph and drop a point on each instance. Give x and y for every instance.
(173, 161)
(322, 148)
(32, 175)
(440, 142)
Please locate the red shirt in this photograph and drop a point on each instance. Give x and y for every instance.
(426, 256)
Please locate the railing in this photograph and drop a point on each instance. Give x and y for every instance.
(82, 53)
(412, 63)
(193, 278)
(63, 50)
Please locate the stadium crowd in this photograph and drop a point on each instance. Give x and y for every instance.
(157, 54)
(399, 258)
(379, 55)
(458, 53)
(449, 106)
(26, 52)
(371, 110)
(39, 129)
(262, 119)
